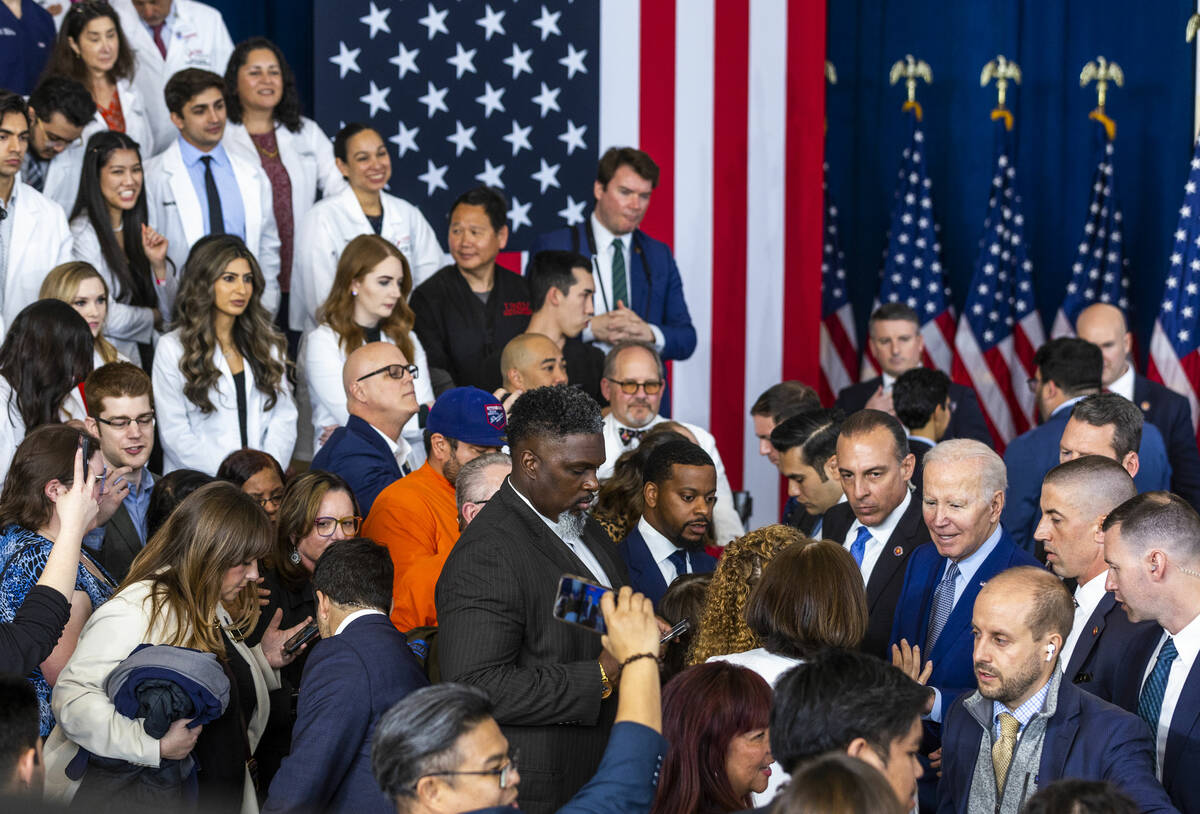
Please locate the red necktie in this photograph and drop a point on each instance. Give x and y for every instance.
(158, 40)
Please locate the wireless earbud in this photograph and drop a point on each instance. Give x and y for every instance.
(1050, 651)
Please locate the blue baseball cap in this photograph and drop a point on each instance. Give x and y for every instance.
(469, 415)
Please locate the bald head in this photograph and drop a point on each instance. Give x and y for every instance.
(373, 393)
(530, 361)
(369, 357)
(1104, 326)
(1050, 607)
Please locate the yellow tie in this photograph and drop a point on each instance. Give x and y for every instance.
(1002, 750)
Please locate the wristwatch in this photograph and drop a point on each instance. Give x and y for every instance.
(605, 684)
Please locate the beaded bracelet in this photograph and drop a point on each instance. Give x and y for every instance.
(638, 656)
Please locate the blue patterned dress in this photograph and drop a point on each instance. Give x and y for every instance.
(23, 555)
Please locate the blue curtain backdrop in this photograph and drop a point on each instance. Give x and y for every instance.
(1051, 41)
(287, 23)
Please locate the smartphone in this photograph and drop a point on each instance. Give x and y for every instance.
(578, 603)
(681, 627)
(306, 634)
(85, 444)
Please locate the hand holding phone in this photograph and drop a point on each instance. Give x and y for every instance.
(306, 634)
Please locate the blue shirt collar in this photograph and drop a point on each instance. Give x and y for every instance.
(1024, 713)
(191, 155)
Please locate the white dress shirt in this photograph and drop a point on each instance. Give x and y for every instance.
(401, 450)
(880, 534)
(576, 544)
(603, 300)
(1123, 385)
(660, 549)
(1087, 597)
(1187, 642)
(364, 612)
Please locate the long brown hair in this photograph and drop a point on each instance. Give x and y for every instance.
(212, 530)
(723, 628)
(358, 259)
(297, 513)
(63, 59)
(62, 283)
(262, 346)
(46, 454)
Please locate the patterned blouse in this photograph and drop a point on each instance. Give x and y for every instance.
(23, 555)
(113, 115)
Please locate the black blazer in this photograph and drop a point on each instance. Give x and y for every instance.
(1172, 415)
(966, 420)
(1102, 653)
(887, 577)
(121, 544)
(494, 601)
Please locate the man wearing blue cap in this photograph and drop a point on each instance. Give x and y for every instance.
(417, 517)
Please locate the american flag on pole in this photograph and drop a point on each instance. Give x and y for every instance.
(1000, 329)
(1100, 272)
(1175, 344)
(912, 268)
(721, 93)
(839, 346)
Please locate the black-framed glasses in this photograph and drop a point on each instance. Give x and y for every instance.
(326, 526)
(504, 772)
(629, 388)
(394, 371)
(145, 421)
(275, 499)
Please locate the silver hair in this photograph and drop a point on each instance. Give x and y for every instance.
(469, 484)
(993, 477)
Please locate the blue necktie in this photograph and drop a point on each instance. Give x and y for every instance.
(943, 604)
(679, 559)
(859, 547)
(1151, 699)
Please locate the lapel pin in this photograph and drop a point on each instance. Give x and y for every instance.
(898, 551)
(1096, 631)
(1146, 405)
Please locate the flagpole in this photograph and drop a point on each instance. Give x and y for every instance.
(1193, 24)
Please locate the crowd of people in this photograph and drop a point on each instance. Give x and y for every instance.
(289, 495)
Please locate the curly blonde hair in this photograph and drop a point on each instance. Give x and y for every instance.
(723, 628)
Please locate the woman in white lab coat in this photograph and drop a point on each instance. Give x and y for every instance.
(219, 377)
(362, 209)
(91, 48)
(80, 286)
(265, 127)
(368, 303)
(45, 357)
(111, 233)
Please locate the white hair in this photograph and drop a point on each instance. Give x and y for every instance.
(993, 477)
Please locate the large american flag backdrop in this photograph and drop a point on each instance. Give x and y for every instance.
(527, 95)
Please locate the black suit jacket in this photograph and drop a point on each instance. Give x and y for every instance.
(121, 544)
(1172, 415)
(887, 577)
(1102, 653)
(966, 418)
(494, 601)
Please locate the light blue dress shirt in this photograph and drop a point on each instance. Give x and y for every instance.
(233, 211)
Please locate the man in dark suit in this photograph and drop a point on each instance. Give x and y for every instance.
(894, 332)
(880, 523)
(931, 637)
(1026, 726)
(921, 398)
(806, 445)
(1076, 496)
(668, 541)
(369, 451)
(1152, 546)
(639, 293)
(359, 669)
(1104, 326)
(550, 681)
(121, 414)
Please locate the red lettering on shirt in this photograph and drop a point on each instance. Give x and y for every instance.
(517, 309)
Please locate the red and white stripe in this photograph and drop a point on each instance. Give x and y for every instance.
(999, 377)
(1181, 375)
(839, 353)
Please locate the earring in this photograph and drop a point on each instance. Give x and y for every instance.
(353, 293)
(294, 556)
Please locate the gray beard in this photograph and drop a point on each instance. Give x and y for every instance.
(570, 525)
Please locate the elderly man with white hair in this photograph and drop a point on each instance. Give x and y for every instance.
(964, 484)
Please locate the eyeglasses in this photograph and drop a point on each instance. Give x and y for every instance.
(275, 499)
(325, 526)
(394, 371)
(629, 388)
(145, 421)
(505, 772)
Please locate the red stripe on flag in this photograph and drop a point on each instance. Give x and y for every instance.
(513, 261)
(656, 111)
(731, 76)
(804, 209)
(959, 374)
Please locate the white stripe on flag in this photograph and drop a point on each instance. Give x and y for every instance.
(765, 164)
(1173, 375)
(831, 361)
(1062, 326)
(620, 85)
(986, 387)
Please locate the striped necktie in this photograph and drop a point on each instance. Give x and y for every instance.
(943, 604)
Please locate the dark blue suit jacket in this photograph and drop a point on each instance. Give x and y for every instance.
(1101, 656)
(350, 680)
(1032, 454)
(644, 574)
(358, 454)
(656, 289)
(966, 420)
(1085, 738)
(1172, 415)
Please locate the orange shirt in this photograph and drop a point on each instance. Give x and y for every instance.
(417, 519)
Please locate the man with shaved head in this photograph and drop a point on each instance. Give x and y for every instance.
(1026, 726)
(530, 361)
(1076, 497)
(369, 451)
(1104, 326)
(1152, 547)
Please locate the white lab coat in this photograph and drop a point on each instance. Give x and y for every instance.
(126, 325)
(175, 212)
(193, 440)
(319, 371)
(41, 241)
(330, 226)
(63, 174)
(199, 39)
(12, 426)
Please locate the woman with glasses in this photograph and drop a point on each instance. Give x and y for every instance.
(80, 286)
(219, 377)
(367, 303)
(257, 474)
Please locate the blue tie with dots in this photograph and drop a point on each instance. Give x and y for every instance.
(1151, 700)
(679, 559)
(859, 547)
